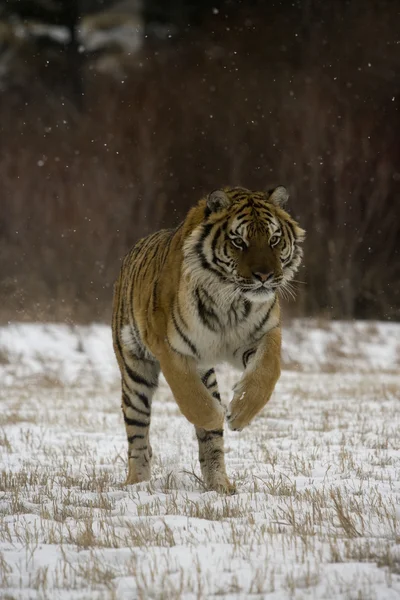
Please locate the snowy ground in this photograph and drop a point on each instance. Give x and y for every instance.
(317, 514)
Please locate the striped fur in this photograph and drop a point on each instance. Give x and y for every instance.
(190, 298)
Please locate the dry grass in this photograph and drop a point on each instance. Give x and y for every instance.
(316, 513)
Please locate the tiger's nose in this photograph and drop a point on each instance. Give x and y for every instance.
(263, 277)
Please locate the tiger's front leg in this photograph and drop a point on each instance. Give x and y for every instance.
(254, 389)
(194, 400)
(211, 447)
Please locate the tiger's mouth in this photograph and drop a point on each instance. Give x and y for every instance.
(259, 289)
(258, 286)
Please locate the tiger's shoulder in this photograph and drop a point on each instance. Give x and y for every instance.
(155, 248)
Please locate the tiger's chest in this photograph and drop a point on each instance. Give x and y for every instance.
(212, 332)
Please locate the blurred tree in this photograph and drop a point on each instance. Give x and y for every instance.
(291, 91)
(181, 14)
(50, 41)
(50, 32)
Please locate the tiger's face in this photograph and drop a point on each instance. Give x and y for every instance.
(249, 241)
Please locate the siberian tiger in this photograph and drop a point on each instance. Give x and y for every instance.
(189, 298)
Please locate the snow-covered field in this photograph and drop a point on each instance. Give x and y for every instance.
(317, 513)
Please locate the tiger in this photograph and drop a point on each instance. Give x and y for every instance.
(192, 297)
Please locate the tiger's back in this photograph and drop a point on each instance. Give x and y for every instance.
(138, 277)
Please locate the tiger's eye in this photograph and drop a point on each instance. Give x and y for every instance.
(274, 240)
(238, 243)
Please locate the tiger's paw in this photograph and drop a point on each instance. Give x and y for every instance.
(135, 475)
(240, 413)
(221, 484)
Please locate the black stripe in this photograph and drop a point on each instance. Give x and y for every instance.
(126, 399)
(152, 248)
(206, 376)
(132, 438)
(238, 196)
(219, 236)
(178, 310)
(206, 231)
(263, 320)
(244, 212)
(240, 216)
(142, 456)
(173, 348)
(216, 396)
(232, 309)
(212, 384)
(175, 231)
(169, 242)
(297, 254)
(207, 436)
(216, 238)
(209, 298)
(134, 422)
(208, 267)
(144, 399)
(138, 410)
(290, 228)
(207, 315)
(207, 212)
(154, 296)
(185, 338)
(246, 356)
(247, 308)
(138, 378)
(216, 452)
(220, 261)
(118, 331)
(150, 256)
(198, 251)
(128, 403)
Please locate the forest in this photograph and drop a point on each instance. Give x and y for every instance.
(116, 117)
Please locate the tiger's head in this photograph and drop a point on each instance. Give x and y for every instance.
(246, 239)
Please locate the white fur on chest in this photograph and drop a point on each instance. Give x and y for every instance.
(215, 347)
(225, 337)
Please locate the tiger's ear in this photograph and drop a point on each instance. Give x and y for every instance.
(278, 196)
(218, 200)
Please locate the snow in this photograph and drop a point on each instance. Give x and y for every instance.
(317, 511)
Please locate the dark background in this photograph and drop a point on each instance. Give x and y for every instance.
(115, 117)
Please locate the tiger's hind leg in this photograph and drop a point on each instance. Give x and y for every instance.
(211, 447)
(139, 382)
